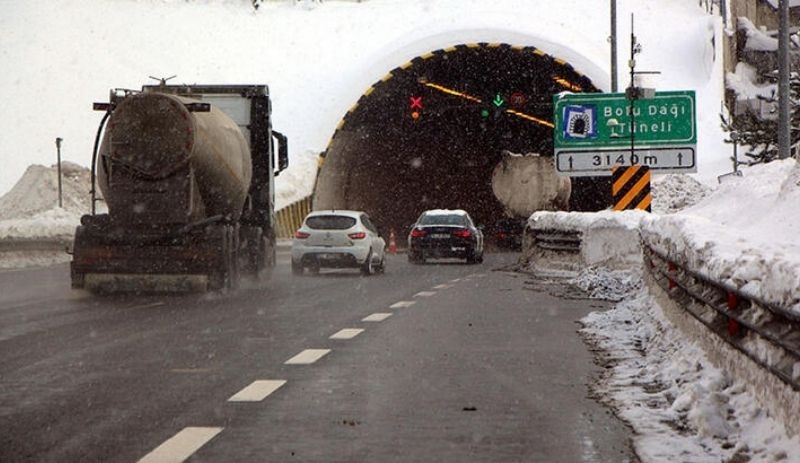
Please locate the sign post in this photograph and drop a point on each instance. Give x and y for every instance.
(594, 132)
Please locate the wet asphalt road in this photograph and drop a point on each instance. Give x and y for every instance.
(470, 364)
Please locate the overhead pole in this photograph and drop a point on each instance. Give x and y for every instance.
(784, 122)
(613, 39)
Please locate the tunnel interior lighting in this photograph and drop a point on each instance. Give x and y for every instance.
(531, 118)
(567, 84)
(450, 91)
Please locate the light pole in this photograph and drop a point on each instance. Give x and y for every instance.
(784, 136)
(613, 39)
(58, 164)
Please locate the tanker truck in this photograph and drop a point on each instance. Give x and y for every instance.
(187, 173)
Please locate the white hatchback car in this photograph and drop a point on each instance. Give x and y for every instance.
(338, 239)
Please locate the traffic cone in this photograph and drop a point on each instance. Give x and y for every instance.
(392, 242)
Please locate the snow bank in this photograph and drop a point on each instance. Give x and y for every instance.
(30, 210)
(609, 239)
(681, 406)
(744, 233)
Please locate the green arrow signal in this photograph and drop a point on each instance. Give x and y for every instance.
(498, 100)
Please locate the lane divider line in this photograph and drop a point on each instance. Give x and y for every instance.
(425, 294)
(402, 304)
(376, 317)
(347, 333)
(257, 390)
(181, 446)
(442, 286)
(307, 357)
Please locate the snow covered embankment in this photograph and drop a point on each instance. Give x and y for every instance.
(659, 377)
(34, 231)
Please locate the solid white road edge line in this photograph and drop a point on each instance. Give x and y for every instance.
(347, 333)
(402, 304)
(181, 446)
(307, 357)
(376, 317)
(258, 390)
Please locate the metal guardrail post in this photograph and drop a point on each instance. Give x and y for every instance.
(733, 304)
(671, 269)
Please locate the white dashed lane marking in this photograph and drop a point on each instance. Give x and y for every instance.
(347, 333)
(307, 357)
(181, 446)
(442, 286)
(425, 294)
(257, 391)
(377, 317)
(402, 304)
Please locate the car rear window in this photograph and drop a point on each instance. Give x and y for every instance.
(442, 219)
(330, 222)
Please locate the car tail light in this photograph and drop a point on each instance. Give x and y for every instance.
(357, 236)
(462, 233)
(417, 232)
(300, 235)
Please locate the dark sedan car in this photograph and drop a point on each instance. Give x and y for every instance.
(445, 233)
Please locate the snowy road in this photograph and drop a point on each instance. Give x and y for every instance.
(425, 363)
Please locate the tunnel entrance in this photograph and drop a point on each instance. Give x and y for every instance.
(430, 133)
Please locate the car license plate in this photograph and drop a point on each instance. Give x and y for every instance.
(440, 235)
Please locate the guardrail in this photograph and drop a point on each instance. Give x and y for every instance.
(557, 240)
(290, 218)
(767, 334)
(34, 244)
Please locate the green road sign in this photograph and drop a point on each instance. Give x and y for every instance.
(599, 121)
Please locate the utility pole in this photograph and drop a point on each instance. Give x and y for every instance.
(784, 135)
(58, 164)
(633, 93)
(613, 39)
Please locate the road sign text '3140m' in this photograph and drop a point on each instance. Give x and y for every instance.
(593, 132)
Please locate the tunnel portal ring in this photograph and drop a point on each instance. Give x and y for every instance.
(441, 52)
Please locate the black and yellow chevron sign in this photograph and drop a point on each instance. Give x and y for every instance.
(630, 187)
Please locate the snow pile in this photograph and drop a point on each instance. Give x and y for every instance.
(674, 192)
(609, 285)
(681, 407)
(608, 239)
(744, 233)
(53, 223)
(30, 210)
(757, 39)
(37, 191)
(746, 84)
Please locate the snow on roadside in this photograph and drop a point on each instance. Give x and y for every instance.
(744, 233)
(681, 407)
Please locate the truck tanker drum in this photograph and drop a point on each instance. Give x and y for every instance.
(162, 163)
(528, 183)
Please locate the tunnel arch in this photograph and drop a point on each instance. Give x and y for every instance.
(431, 131)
